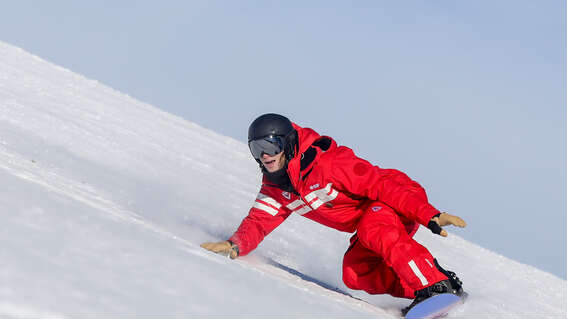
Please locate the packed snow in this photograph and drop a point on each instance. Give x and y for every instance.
(105, 200)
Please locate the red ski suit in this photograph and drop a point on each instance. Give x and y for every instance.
(336, 188)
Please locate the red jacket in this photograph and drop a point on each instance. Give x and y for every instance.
(333, 187)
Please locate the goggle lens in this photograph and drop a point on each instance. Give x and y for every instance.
(271, 145)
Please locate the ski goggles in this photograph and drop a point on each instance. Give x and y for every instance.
(271, 145)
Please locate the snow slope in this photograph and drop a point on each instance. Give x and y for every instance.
(104, 201)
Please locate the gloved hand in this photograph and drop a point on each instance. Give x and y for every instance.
(444, 219)
(224, 248)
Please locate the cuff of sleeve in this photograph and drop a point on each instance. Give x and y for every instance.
(429, 213)
(234, 247)
(235, 242)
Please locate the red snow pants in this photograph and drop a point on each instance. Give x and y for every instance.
(383, 258)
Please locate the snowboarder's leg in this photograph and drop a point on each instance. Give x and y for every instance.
(364, 270)
(382, 232)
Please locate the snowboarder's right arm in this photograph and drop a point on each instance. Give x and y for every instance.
(262, 219)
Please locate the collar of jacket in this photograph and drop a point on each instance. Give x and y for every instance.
(307, 138)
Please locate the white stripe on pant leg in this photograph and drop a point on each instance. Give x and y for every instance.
(418, 273)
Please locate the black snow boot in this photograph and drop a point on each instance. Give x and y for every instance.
(456, 283)
(435, 289)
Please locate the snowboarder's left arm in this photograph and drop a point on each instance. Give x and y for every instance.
(390, 186)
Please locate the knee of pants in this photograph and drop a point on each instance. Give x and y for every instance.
(364, 270)
(350, 278)
(358, 268)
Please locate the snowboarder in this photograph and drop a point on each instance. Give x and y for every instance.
(309, 174)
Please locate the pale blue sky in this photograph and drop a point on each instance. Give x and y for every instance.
(468, 98)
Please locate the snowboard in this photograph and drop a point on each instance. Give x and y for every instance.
(437, 306)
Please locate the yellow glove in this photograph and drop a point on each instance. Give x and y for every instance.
(226, 248)
(445, 219)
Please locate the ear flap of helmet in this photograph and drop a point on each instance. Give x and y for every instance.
(291, 145)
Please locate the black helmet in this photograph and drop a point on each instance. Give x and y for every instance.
(274, 126)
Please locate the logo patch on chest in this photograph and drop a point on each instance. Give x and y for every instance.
(312, 187)
(376, 208)
(286, 195)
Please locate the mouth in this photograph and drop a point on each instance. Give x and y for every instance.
(269, 162)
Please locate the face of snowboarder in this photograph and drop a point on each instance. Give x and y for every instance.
(273, 163)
